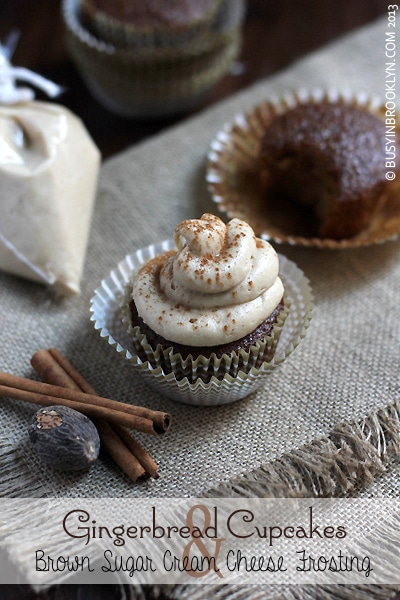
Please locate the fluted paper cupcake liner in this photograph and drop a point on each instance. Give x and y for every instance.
(107, 318)
(202, 367)
(233, 176)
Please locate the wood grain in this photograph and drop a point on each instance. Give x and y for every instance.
(275, 33)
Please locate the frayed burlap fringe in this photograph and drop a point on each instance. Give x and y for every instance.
(346, 460)
(338, 465)
(271, 592)
(16, 481)
(246, 592)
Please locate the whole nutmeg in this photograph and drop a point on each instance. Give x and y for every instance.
(64, 438)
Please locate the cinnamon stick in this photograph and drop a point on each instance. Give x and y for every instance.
(154, 422)
(130, 456)
(91, 410)
(144, 458)
(66, 367)
(122, 455)
(50, 371)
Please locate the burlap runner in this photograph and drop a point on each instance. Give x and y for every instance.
(346, 368)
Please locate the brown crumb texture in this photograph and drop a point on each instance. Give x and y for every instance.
(330, 157)
(263, 330)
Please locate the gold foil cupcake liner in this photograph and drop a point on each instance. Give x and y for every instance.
(203, 367)
(233, 177)
(107, 318)
(142, 82)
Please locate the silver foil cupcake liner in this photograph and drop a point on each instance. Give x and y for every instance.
(107, 318)
(203, 367)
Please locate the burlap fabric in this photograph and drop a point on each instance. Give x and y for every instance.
(345, 369)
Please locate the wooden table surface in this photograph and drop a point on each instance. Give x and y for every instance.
(275, 33)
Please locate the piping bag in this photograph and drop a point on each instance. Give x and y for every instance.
(49, 168)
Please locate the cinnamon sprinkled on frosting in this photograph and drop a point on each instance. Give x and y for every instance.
(219, 285)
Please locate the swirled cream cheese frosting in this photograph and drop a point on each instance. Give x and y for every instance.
(218, 286)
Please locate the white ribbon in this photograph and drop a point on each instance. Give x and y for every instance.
(11, 94)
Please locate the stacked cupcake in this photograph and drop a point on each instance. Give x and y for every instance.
(152, 58)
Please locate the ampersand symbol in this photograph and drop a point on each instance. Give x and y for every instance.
(210, 560)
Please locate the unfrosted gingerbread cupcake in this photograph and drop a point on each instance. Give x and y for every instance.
(114, 19)
(328, 156)
(213, 306)
(152, 13)
(153, 58)
(310, 168)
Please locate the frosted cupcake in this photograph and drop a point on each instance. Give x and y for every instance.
(213, 306)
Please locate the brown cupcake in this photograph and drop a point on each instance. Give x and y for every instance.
(213, 306)
(153, 23)
(258, 334)
(147, 69)
(111, 301)
(328, 157)
(151, 13)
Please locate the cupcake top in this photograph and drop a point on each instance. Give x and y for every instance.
(152, 13)
(348, 140)
(218, 286)
(330, 157)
